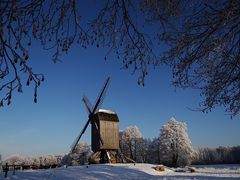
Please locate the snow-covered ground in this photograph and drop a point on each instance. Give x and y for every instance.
(127, 171)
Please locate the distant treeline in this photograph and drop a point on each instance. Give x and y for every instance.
(171, 148)
(220, 155)
(41, 162)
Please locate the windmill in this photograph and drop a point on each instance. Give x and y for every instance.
(104, 131)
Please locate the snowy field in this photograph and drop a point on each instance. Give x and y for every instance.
(127, 171)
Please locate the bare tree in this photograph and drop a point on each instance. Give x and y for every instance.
(200, 40)
(23, 21)
(116, 27)
(56, 24)
(204, 48)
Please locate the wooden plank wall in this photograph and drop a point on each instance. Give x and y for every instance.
(109, 129)
(110, 134)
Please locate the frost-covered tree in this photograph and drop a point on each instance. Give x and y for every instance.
(35, 162)
(175, 145)
(14, 160)
(48, 161)
(27, 161)
(220, 155)
(143, 150)
(130, 142)
(79, 156)
(153, 155)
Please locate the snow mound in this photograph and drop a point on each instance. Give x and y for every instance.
(146, 168)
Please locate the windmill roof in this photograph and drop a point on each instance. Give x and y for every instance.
(106, 111)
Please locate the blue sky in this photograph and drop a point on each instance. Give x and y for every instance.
(51, 125)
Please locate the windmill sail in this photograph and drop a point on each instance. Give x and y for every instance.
(88, 104)
(79, 136)
(101, 95)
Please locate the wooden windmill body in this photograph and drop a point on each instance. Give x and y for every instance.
(108, 124)
(104, 132)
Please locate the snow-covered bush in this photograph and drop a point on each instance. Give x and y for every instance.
(175, 145)
(35, 162)
(79, 156)
(46, 161)
(27, 161)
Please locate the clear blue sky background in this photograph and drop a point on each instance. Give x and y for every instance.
(51, 125)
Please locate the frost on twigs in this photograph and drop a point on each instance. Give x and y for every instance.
(199, 40)
(56, 25)
(116, 28)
